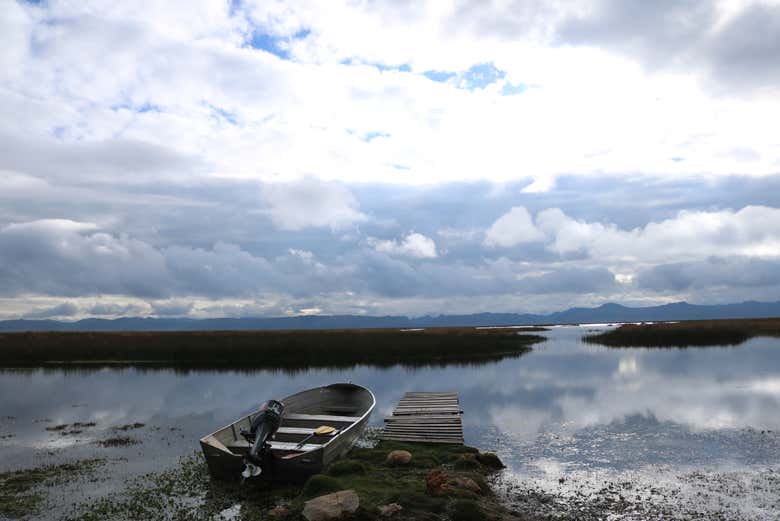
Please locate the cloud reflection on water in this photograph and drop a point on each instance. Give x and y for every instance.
(564, 388)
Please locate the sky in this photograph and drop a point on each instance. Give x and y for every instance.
(210, 158)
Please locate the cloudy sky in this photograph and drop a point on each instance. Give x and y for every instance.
(241, 158)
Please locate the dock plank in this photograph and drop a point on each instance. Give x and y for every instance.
(426, 417)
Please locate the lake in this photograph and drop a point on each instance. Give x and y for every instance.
(692, 430)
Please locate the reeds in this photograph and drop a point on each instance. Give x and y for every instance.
(687, 333)
(262, 349)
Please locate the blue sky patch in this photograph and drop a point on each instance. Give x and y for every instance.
(440, 76)
(276, 45)
(368, 136)
(140, 109)
(268, 43)
(481, 75)
(226, 115)
(404, 67)
(510, 89)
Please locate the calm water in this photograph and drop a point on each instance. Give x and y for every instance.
(567, 409)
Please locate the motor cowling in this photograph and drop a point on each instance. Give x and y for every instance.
(264, 425)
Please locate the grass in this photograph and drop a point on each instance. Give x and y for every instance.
(379, 483)
(118, 441)
(186, 492)
(21, 491)
(687, 333)
(263, 349)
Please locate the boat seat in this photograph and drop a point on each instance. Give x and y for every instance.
(320, 417)
(243, 445)
(285, 445)
(295, 430)
(347, 409)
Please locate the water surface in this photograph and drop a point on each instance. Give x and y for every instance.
(567, 410)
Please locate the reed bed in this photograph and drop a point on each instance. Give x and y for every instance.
(262, 349)
(687, 333)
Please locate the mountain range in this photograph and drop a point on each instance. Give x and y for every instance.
(600, 314)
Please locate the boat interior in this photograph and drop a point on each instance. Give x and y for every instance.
(337, 406)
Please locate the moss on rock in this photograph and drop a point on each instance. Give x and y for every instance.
(319, 485)
(347, 466)
(466, 510)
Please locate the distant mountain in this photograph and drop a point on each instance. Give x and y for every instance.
(604, 313)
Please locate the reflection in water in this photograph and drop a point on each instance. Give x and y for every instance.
(565, 407)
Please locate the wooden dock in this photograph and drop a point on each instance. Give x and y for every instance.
(426, 418)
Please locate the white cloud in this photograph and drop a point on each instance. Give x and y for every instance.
(413, 245)
(310, 203)
(189, 84)
(688, 236)
(513, 228)
(145, 147)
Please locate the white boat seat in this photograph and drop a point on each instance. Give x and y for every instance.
(279, 445)
(295, 430)
(283, 445)
(320, 417)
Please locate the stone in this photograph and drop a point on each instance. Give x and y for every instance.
(490, 460)
(278, 512)
(331, 506)
(389, 509)
(436, 483)
(468, 484)
(399, 457)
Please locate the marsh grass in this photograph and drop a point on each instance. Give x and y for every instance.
(186, 492)
(689, 333)
(262, 349)
(22, 492)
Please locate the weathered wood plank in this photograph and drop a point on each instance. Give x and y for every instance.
(426, 417)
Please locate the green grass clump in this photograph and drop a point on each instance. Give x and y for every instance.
(467, 464)
(419, 501)
(347, 466)
(466, 510)
(490, 460)
(319, 485)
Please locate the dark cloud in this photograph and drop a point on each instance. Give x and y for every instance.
(167, 244)
(715, 272)
(114, 161)
(660, 33)
(736, 56)
(744, 54)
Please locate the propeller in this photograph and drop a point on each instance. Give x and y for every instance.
(251, 470)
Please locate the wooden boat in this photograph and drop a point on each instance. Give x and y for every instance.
(344, 406)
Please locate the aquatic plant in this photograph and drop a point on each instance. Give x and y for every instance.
(687, 333)
(257, 349)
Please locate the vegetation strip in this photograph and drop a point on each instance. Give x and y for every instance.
(21, 491)
(258, 349)
(687, 333)
(434, 482)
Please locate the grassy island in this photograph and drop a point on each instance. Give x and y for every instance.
(265, 349)
(438, 482)
(687, 333)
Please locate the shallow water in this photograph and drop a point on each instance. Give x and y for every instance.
(701, 424)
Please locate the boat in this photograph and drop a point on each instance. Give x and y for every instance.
(293, 438)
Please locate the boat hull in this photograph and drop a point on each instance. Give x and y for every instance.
(346, 407)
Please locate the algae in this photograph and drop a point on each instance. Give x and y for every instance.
(22, 491)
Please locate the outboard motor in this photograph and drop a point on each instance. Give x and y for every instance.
(264, 425)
